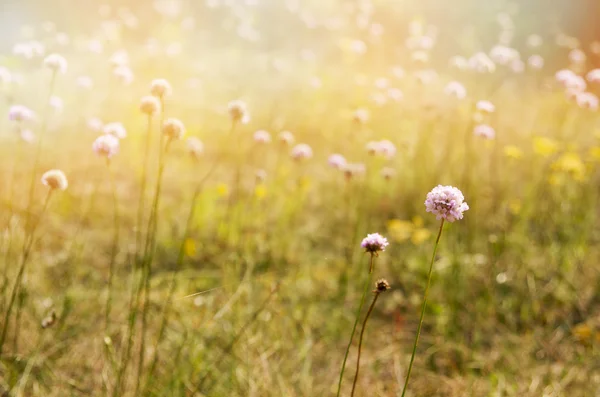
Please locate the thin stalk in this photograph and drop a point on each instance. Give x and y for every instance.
(142, 204)
(38, 150)
(362, 333)
(412, 358)
(26, 252)
(115, 247)
(180, 258)
(362, 302)
(147, 264)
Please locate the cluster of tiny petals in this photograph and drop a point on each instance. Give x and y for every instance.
(384, 148)
(195, 147)
(587, 100)
(173, 129)
(262, 136)
(106, 146)
(593, 76)
(484, 131)
(160, 88)
(302, 152)
(55, 179)
(20, 113)
(446, 202)
(535, 62)
(238, 111)
(456, 90)
(56, 63)
(485, 107)
(361, 116)
(352, 170)
(286, 138)
(337, 161)
(117, 129)
(149, 105)
(374, 243)
(124, 74)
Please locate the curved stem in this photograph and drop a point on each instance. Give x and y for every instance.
(362, 332)
(173, 285)
(26, 252)
(362, 302)
(115, 246)
(412, 358)
(142, 199)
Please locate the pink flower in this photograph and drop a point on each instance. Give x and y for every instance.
(106, 146)
(374, 243)
(337, 161)
(484, 131)
(446, 202)
(302, 152)
(262, 136)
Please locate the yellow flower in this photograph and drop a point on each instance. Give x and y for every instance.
(260, 191)
(513, 152)
(189, 247)
(545, 146)
(514, 206)
(420, 236)
(417, 221)
(304, 182)
(400, 230)
(595, 153)
(222, 190)
(556, 179)
(571, 164)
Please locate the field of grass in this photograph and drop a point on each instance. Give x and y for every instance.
(228, 261)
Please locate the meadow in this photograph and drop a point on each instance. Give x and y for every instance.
(186, 188)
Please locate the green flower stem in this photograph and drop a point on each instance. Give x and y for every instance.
(412, 358)
(362, 302)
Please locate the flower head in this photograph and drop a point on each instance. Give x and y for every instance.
(195, 147)
(484, 131)
(446, 202)
(95, 124)
(587, 100)
(352, 170)
(20, 113)
(56, 63)
(106, 145)
(374, 243)
(485, 107)
(286, 138)
(117, 129)
(456, 90)
(124, 74)
(173, 129)
(149, 105)
(381, 286)
(262, 136)
(160, 88)
(336, 161)
(238, 111)
(535, 62)
(55, 179)
(301, 152)
(361, 116)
